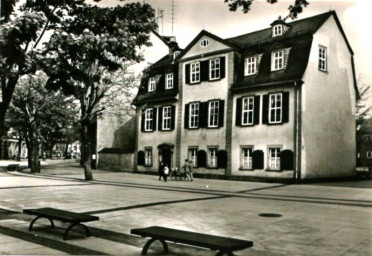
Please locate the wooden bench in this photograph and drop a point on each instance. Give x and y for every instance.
(215, 243)
(65, 216)
(13, 167)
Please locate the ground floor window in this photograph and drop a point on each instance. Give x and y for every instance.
(192, 156)
(274, 158)
(246, 158)
(148, 156)
(369, 154)
(212, 157)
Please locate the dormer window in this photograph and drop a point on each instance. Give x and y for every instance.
(152, 84)
(169, 81)
(278, 30)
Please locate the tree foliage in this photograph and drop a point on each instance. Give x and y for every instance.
(40, 115)
(294, 9)
(85, 51)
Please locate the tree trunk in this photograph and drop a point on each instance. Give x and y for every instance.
(28, 145)
(87, 155)
(34, 155)
(19, 149)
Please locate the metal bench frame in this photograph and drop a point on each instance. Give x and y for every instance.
(62, 216)
(147, 232)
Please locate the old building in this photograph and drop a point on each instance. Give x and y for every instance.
(278, 103)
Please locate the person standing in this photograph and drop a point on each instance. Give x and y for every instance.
(161, 170)
(165, 173)
(190, 170)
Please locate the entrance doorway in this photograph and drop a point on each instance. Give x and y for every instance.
(165, 154)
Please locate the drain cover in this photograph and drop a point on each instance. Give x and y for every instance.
(270, 215)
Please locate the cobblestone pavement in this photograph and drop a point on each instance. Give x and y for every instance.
(312, 219)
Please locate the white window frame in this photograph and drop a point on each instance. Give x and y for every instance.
(246, 160)
(274, 158)
(212, 157)
(249, 111)
(274, 119)
(250, 66)
(369, 154)
(148, 156)
(194, 110)
(169, 81)
(192, 153)
(277, 30)
(277, 60)
(152, 84)
(322, 58)
(195, 72)
(213, 113)
(149, 119)
(214, 69)
(204, 42)
(167, 114)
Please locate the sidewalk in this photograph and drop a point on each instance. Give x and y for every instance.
(314, 220)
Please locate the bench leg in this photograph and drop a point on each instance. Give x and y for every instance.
(220, 253)
(38, 217)
(73, 225)
(147, 245)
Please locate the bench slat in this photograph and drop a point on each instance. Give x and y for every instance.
(61, 215)
(193, 238)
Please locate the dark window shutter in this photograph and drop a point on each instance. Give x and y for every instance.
(221, 159)
(143, 120)
(221, 113)
(256, 110)
(285, 110)
(223, 68)
(265, 109)
(173, 117)
(203, 114)
(238, 115)
(204, 70)
(186, 120)
(187, 73)
(160, 119)
(258, 159)
(154, 123)
(141, 158)
(286, 160)
(201, 158)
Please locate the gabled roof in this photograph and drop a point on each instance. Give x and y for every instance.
(206, 33)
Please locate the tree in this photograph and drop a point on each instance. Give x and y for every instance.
(83, 52)
(363, 115)
(22, 29)
(36, 112)
(294, 9)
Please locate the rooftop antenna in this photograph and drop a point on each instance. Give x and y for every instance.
(172, 15)
(160, 16)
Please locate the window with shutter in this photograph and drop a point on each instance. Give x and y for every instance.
(195, 72)
(166, 117)
(212, 157)
(275, 108)
(192, 156)
(274, 158)
(149, 117)
(214, 69)
(213, 113)
(148, 157)
(194, 115)
(246, 158)
(247, 111)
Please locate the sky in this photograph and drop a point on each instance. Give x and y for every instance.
(191, 16)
